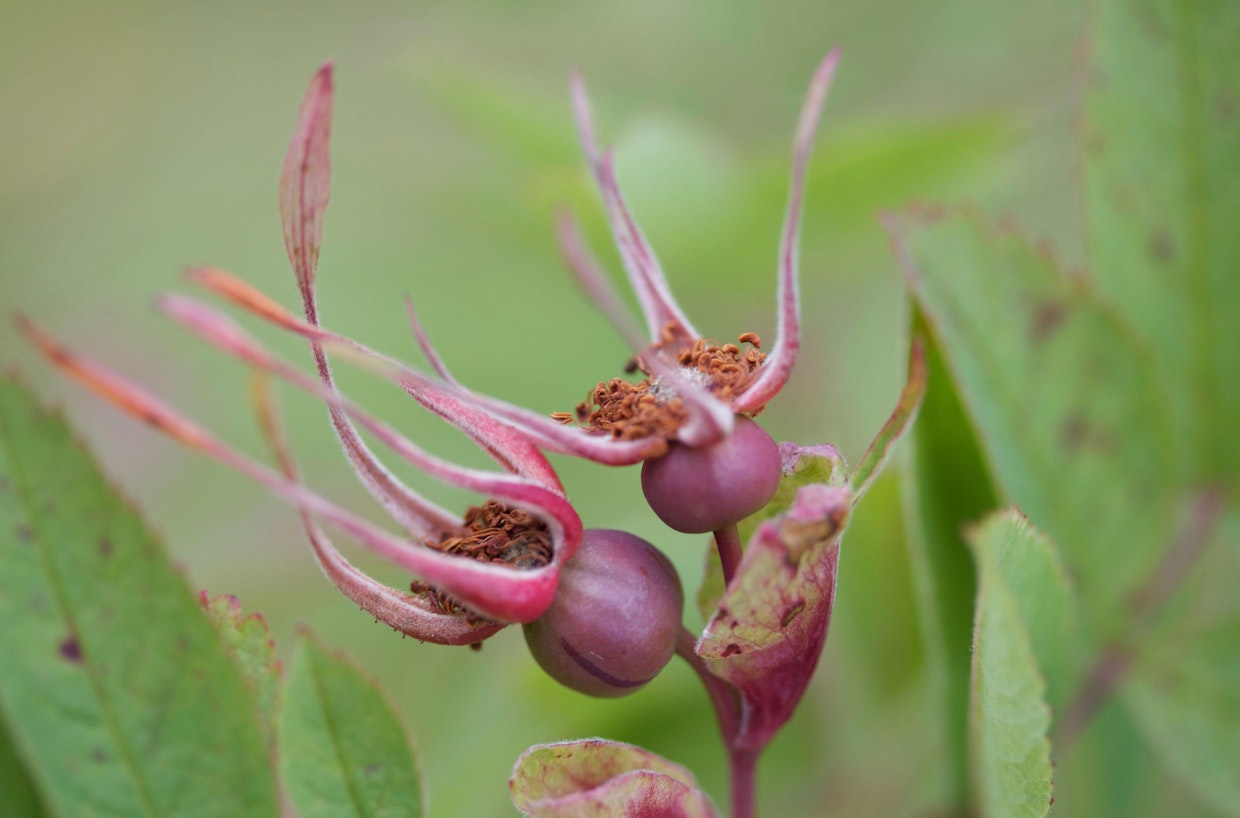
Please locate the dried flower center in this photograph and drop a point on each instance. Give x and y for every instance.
(494, 533)
(629, 410)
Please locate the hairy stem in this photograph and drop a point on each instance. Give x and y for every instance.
(728, 542)
(1116, 658)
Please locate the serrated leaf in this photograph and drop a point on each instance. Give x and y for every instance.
(595, 778)
(343, 749)
(1029, 565)
(253, 649)
(112, 677)
(1061, 398)
(946, 485)
(767, 634)
(1163, 201)
(1008, 714)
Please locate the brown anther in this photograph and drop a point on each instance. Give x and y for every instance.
(562, 417)
(629, 410)
(493, 533)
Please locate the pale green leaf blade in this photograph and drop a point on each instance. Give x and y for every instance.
(1008, 717)
(1070, 418)
(113, 678)
(343, 748)
(1163, 201)
(248, 639)
(1029, 564)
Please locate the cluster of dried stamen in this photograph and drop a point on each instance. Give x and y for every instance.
(495, 533)
(630, 410)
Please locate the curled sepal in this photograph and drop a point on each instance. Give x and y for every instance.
(593, 778)
(901, 418)
(768, 631)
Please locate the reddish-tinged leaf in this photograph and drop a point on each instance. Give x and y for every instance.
(306, 180)
(768, 631)
(594, 778)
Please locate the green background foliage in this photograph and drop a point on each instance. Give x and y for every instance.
(149, 136)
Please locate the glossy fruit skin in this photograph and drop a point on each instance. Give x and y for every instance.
(616, 617)
(709, 488)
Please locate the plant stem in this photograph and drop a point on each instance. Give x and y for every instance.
(728, 542)
(742, 763)
(744, 766)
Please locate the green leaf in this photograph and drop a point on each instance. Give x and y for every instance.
(1030, 567)
(18, 795)
(1070, 419)
(115, 686)
(1163, 201)
(249, 640)
(946, 485)
(343, 749)
(1008, 715)
(594, 778)
(1183, 692)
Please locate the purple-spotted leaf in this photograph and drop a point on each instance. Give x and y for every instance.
(343, 749)
(1162, 200)
(115, 688)
(767, 633)
(1070, 419)
(594, 778)
(249, 640)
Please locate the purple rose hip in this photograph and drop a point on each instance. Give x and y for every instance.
(616, 617)
(706, 489)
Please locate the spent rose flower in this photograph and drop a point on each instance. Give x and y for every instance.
(498, 564)
(693, 389)
(689, 418)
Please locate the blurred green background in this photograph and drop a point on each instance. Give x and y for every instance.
(140, 137)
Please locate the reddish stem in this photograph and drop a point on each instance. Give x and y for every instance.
(728, 542)
(743, 765)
